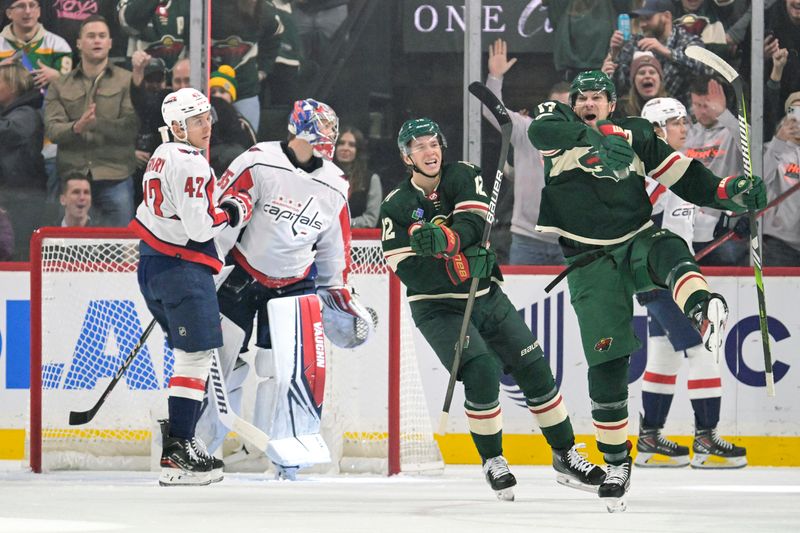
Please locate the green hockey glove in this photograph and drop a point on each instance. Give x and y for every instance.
(740, 193)
(612, 147)
(428, 239)
(474, 262)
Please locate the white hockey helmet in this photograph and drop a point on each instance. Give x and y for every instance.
(182, 104)
(346, 330)
(659, 110)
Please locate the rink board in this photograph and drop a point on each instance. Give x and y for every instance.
(770, 427)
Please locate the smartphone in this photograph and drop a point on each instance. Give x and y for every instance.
(624, 25)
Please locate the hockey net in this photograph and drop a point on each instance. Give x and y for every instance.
(87, 314)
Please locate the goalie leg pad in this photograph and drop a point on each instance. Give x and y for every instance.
(297, 390)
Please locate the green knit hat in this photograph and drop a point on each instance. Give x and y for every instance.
(225, 78)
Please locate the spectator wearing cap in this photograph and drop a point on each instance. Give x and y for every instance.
(666, 41)
(781, 172)
(223, 83)
(231, 134)
(647, 82)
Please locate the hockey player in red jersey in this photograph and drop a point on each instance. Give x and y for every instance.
(177, 222)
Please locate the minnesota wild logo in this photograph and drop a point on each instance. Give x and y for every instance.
(590, 162)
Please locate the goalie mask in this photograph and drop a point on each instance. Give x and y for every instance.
(317, 124)
(347, 329)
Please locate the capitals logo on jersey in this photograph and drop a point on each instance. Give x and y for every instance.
(300, 214)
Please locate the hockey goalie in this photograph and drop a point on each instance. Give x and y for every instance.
(288, 287)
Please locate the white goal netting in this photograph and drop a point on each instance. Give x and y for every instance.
(92, 316)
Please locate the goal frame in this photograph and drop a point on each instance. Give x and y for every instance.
(36, 329)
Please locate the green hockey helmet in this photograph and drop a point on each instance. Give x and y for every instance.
(418, 127)
(592, 81)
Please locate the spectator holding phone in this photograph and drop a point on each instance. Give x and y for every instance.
(666, 41)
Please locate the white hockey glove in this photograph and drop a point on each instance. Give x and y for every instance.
(238, 205)
(347, 322)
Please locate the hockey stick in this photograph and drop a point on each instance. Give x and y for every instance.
(498, 110)
(730, 233)
(719, 66)
(234, 422)
(78, 418)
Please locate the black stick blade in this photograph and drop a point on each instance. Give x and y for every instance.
(79, 418)
(488, 98)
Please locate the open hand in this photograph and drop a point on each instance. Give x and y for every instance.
(499, 63)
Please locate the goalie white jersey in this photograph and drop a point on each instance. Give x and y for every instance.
(300, 219)
(179, 215)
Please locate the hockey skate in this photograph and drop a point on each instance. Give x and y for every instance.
(616, 484)
(575, 471)
(181, 465)
(712, 451)
(709, 317)
(500, 478)
(199, 448)
(656, 451)
(217, 465)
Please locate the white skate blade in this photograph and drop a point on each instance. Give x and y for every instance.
(175, 477)
(563, 479)
(505, 495)
(657, 460)
(615, 505)
(715, 462)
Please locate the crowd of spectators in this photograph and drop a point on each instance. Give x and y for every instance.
(651, 62)
(81, 89)
(81, 86)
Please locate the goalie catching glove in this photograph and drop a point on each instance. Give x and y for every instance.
(347, 322)
(740, 193)
(238, 206)
(474, 262)
(428, 239)
(611, 144)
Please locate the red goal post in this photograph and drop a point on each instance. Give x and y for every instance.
(87, 313)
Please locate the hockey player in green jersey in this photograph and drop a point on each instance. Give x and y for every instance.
(595, 199)
(432, 224)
